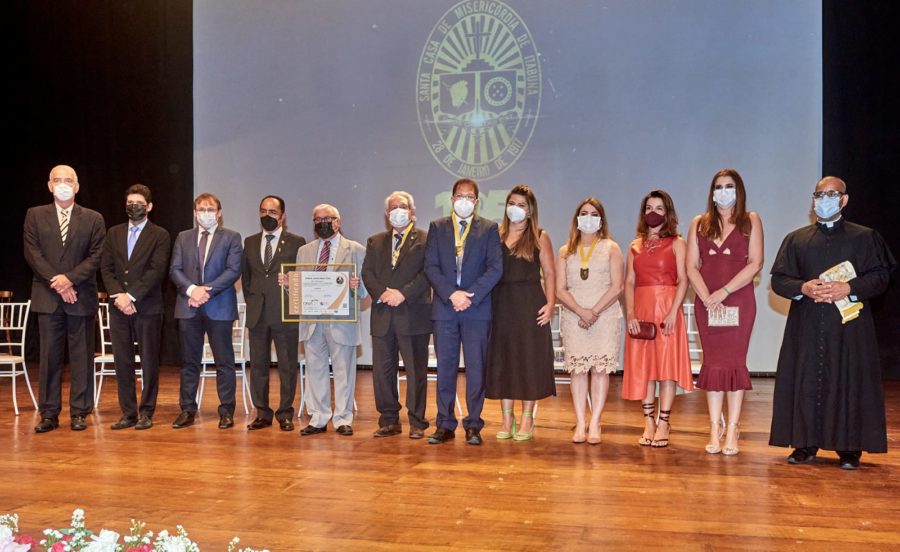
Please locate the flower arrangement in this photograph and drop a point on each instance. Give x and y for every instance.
(77, 538)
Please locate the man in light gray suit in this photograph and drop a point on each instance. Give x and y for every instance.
(336, 341)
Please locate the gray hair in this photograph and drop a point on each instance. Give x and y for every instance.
(405, 195)
(337, 214)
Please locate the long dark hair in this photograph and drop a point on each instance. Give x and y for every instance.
(670, 227)
(710, 226)
(528, 243)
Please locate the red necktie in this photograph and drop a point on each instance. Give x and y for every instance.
(324, 256)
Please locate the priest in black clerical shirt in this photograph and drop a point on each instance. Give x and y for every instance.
(828, 392)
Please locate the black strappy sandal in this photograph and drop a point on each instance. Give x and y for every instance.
(663, 417)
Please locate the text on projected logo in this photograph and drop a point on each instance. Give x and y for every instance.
(479, 89)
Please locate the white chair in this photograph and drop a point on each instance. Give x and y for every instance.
(208, 363)
(104, 358)
(695, 348)
(430, 376)
(13, 324)
(560, 375)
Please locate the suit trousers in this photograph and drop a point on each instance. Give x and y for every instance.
(146, 330)
(219, 334)
(414, 350)
(320, 347)
(285, 338)
(56, 330)
(474, 336)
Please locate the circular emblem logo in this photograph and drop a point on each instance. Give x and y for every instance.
(478, 91)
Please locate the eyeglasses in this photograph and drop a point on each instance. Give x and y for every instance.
(828, 193)
(470, 197)
(317, 220)
(272, 212)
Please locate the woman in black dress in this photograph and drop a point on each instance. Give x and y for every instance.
(520, 362)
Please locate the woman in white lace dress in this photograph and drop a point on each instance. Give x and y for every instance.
(589, 278)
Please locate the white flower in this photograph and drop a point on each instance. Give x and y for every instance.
(5, 533)
(104, 542)
(7, 544)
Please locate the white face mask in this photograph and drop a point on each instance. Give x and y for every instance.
(589, 224)
(464, 207)
(206, 220)
(515, 213)
(63, 192)
(725, 197)
(399, 217)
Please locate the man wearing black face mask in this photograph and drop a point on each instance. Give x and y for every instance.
(264, 253)
(133, 265)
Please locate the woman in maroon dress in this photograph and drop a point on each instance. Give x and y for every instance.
(724, 254)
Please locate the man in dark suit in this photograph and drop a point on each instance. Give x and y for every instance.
(401, 315)
(63, 242)
(134, 263)
(264, 253)
(206, 262)
(463, 262)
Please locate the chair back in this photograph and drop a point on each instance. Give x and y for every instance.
(695, 348)
(13, 327)
(238, 333)
(103, 326)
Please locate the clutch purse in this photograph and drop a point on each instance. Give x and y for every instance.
(647, 330)
(724, 318)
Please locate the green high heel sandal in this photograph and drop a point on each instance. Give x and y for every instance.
(504, 435)
(520, 436)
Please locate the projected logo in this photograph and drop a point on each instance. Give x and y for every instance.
(479, 89)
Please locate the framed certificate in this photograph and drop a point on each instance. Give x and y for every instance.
(318, 296)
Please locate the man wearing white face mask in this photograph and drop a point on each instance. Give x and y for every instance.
(206, 262)
(63, 244)
(463, 262)
(401, 315)
(828, 392)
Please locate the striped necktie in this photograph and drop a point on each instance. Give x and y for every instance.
(268, 253)
(324, 256)
(63, 225)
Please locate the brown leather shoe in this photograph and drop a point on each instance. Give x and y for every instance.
(416, 433)
(184, 419)
(388, 430)
(78, 423)
(345, 430)
(144, 422)
(124, 423)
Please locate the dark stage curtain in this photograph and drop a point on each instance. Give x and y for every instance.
(862, 133)
(106, 87)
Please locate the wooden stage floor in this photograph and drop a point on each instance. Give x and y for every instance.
(327, 492)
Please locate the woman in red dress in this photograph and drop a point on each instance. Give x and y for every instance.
(724, 254)
(655, 284)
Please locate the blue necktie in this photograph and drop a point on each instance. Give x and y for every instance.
(132, 238)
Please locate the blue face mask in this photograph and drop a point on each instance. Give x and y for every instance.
(826, 207)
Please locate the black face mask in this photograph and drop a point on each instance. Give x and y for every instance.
(268, 223)
(136, 211)
(324, 229)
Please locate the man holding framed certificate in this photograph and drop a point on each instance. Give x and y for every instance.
(324, 292)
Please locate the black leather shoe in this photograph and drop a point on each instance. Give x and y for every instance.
(78, 423)
(184, 419)
(803, 455)
(416, 433)
(388, 430)
(259, 423)
(849, 461)
(226, 421)
(124, 423)
(345, 430)
(473, 436)
(144, 422)
(46, 424)
(286, 424)
(312, 430)
(442, 435)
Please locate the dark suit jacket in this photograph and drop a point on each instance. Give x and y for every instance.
(222, 269)
(481, 269)
(142, 275)
(413, 316)
(78, 259)
(261, 290)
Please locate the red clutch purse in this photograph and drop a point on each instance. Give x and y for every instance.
(647, 330)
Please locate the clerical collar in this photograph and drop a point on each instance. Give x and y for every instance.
(830, 224)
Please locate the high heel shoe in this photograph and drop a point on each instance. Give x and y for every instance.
(504, 435)
(717, 448)
(648, 409)
(521, 436)
(663, 417)
(731, 451)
